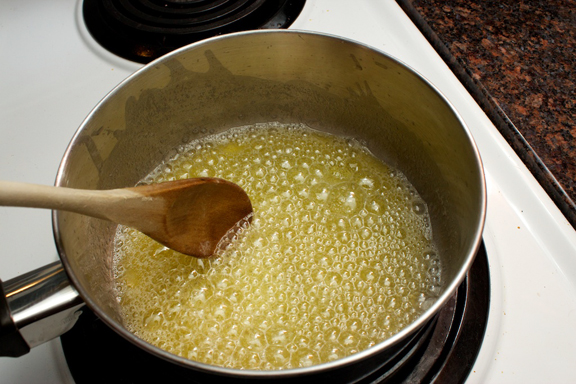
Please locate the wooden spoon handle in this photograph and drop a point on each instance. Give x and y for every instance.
(88, 202)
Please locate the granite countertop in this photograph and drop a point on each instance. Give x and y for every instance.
(517, 59)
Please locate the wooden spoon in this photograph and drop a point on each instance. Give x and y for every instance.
(190, 216)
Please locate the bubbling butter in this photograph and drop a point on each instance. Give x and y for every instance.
(338, 257)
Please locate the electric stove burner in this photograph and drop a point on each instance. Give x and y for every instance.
(443, 351)
(143, 30)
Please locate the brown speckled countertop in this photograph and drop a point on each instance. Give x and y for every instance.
(518, 60)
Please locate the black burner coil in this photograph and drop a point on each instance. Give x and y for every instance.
(143, 30)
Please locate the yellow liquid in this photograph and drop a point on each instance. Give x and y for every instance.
(338, 257)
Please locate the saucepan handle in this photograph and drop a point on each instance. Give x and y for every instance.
(35, 308)
(11, 341)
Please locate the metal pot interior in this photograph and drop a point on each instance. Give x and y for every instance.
(325, 82)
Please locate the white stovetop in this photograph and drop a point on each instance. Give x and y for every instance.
(52, 74)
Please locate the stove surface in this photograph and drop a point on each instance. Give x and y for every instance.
(54, 73)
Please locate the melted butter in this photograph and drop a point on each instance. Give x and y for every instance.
(338, 257)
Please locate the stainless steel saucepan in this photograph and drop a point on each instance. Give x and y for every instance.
(328, 83)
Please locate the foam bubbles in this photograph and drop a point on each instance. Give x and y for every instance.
(338, 256)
